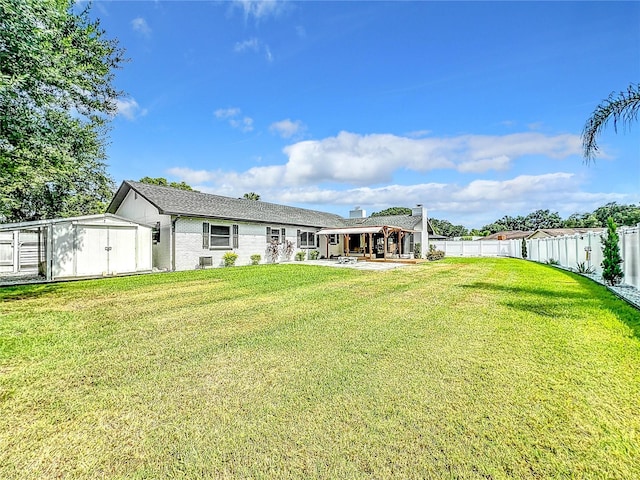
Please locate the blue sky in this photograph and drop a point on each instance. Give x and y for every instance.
(473, 109)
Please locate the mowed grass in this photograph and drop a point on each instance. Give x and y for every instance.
(464, 368)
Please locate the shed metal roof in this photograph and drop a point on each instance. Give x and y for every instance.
(85, 219)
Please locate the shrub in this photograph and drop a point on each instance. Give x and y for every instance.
(229, 259)
(524, 248)
(611, 269)
(434, 254)
(417, 250)
(255, 259)
(583, 267)
(273, 252)
(300, 255)
(313, 254)
(287, 249)
(552, 261)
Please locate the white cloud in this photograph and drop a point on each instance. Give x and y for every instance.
(233, 115)
(287, 128)
(244, 124)
(130, 109)
(418, 133)
(473, 205)
(250, 44)
(267, 53)
(226, 112)
(253, 45)
(478, 166)
(361, 162)
(368, 159)
(260, 9)
(140, 25)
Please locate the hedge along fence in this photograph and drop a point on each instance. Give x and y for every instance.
(567, 250)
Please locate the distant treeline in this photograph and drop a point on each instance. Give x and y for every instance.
(623, 215)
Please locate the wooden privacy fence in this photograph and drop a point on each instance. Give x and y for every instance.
(568, 251)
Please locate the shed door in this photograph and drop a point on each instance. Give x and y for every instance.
(103, 250)
(92, 257)
(122, 254)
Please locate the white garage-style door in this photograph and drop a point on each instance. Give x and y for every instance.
(105, 250)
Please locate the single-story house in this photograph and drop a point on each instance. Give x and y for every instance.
(194, 229)
(86, 246)
(561, 232)
(508, 235)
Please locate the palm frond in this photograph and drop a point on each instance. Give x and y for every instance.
(622, 108)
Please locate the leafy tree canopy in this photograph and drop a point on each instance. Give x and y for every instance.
(446, 228)
(251, 196)
(164, 183)
(56, 97)
(627, 215)
(392, 211)
(533, 221)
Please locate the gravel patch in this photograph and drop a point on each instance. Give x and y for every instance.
(626, 292)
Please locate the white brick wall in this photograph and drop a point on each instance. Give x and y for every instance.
(252, 239)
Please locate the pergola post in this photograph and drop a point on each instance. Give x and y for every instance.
(346, 243)
(385, 232)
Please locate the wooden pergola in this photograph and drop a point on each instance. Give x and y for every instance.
(370, 231)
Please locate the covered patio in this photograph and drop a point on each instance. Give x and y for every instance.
(385, 242)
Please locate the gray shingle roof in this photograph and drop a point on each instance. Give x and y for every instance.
(172, 201)
(509, 235)
(407, 222)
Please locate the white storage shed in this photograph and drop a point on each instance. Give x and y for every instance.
(88, 246)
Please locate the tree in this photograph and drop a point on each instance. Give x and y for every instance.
(479, 233)
(392, 211)
(164, 183)
(611, 269)
(251, 196)
(581, 220)
(56, 97)
(622, 107)
(628, 215)
(447, 229)
(542, 219)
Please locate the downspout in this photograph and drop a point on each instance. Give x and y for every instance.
(425, 232)
(173, 242)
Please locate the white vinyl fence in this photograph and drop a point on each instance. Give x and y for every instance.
(567, 250)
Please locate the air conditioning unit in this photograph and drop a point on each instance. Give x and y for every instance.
(206, 262)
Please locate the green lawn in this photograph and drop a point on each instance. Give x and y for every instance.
(464, 368)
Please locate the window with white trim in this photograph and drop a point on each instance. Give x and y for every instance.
(219, 236)
(277, 235)
(306, 239)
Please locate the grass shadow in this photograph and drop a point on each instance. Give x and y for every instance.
(26, 292)
(546, 306)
